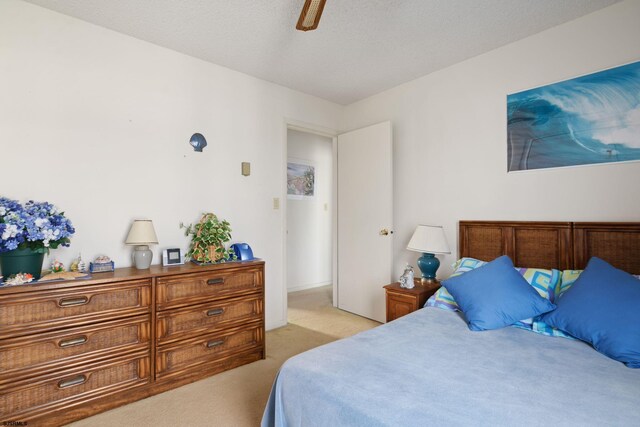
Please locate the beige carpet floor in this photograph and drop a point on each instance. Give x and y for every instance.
(237, 397)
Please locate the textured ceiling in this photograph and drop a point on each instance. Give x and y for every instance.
(361, 47)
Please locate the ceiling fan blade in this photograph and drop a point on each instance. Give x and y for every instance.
(310, 16)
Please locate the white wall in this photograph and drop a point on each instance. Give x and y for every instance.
(89, 116)
(309, 220)
(450, 150)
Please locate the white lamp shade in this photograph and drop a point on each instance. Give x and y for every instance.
(430, 239)
(141, 233)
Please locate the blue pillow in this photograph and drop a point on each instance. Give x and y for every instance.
(495, 295)
(602, 308)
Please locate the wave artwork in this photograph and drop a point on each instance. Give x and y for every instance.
(586, 120)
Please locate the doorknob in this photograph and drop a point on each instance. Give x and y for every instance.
(385, 232)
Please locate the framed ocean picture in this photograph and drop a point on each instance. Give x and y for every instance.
(301, 179)
(586, 120)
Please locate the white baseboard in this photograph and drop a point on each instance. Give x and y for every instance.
(308, 286)
(275, 325)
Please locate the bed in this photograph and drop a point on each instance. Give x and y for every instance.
(428, 368)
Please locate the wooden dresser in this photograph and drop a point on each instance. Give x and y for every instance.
(72, 349)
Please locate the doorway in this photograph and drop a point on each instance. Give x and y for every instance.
(309, 214)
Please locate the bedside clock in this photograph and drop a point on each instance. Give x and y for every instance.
(172, 257)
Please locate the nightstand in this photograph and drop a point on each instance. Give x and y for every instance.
(401, 301)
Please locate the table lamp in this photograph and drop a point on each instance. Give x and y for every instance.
(430, 240)
(142, 235)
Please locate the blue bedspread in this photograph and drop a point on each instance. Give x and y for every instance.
(428, 368)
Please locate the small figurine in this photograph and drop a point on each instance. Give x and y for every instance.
(406, 280)
(82, 266)
(73, 267)
(57, 266)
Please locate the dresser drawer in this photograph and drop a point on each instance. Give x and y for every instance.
(30, 398)
(176, 291)
(198, 353)
(199, 319)
(36, 354)
(22, 314)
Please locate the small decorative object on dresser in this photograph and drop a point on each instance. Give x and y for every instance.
(172, 257)
(57, 266)
(430, 240)
(402, 301)
(82, 266)
(19, 279)
(101, 264)
(407, 278)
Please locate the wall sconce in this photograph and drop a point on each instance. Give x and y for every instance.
(198, 142)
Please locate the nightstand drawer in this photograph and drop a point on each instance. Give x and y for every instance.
(400, 305)
(402, 301)
(30, 398)
(195, 320)
(200, 287)
(199, 353)
(49, 310)
(35, 354)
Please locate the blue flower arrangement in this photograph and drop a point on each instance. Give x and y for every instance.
(38, 226)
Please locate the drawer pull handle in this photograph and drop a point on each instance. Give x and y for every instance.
(215, 281)
(73, 341)
(215, 311)
(214, 343)
(77, 380)
(70, 302)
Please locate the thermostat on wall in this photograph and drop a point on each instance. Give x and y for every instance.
(172, 257)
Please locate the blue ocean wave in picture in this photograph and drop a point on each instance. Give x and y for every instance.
(586, 120)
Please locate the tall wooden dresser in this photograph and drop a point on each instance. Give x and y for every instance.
(71, 349)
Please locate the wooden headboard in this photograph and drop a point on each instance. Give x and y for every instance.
(560, 245)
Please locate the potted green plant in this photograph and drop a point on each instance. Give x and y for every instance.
(208, 239)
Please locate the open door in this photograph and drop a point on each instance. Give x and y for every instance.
(365, 219)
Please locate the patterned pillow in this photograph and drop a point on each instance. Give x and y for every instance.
(466, 264)
(546, 282)
(567, 279)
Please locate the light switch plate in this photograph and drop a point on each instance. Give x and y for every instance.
(246, 168)
(276, 203)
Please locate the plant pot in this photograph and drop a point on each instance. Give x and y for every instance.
(21, 261)
(213, 255)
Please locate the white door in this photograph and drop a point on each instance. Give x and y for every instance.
(365, 219)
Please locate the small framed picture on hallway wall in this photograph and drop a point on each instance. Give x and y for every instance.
(301, 179)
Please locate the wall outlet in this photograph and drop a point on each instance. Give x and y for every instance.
(276, 203)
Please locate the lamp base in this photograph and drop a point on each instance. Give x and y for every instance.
(428, 264)
(142, 257)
